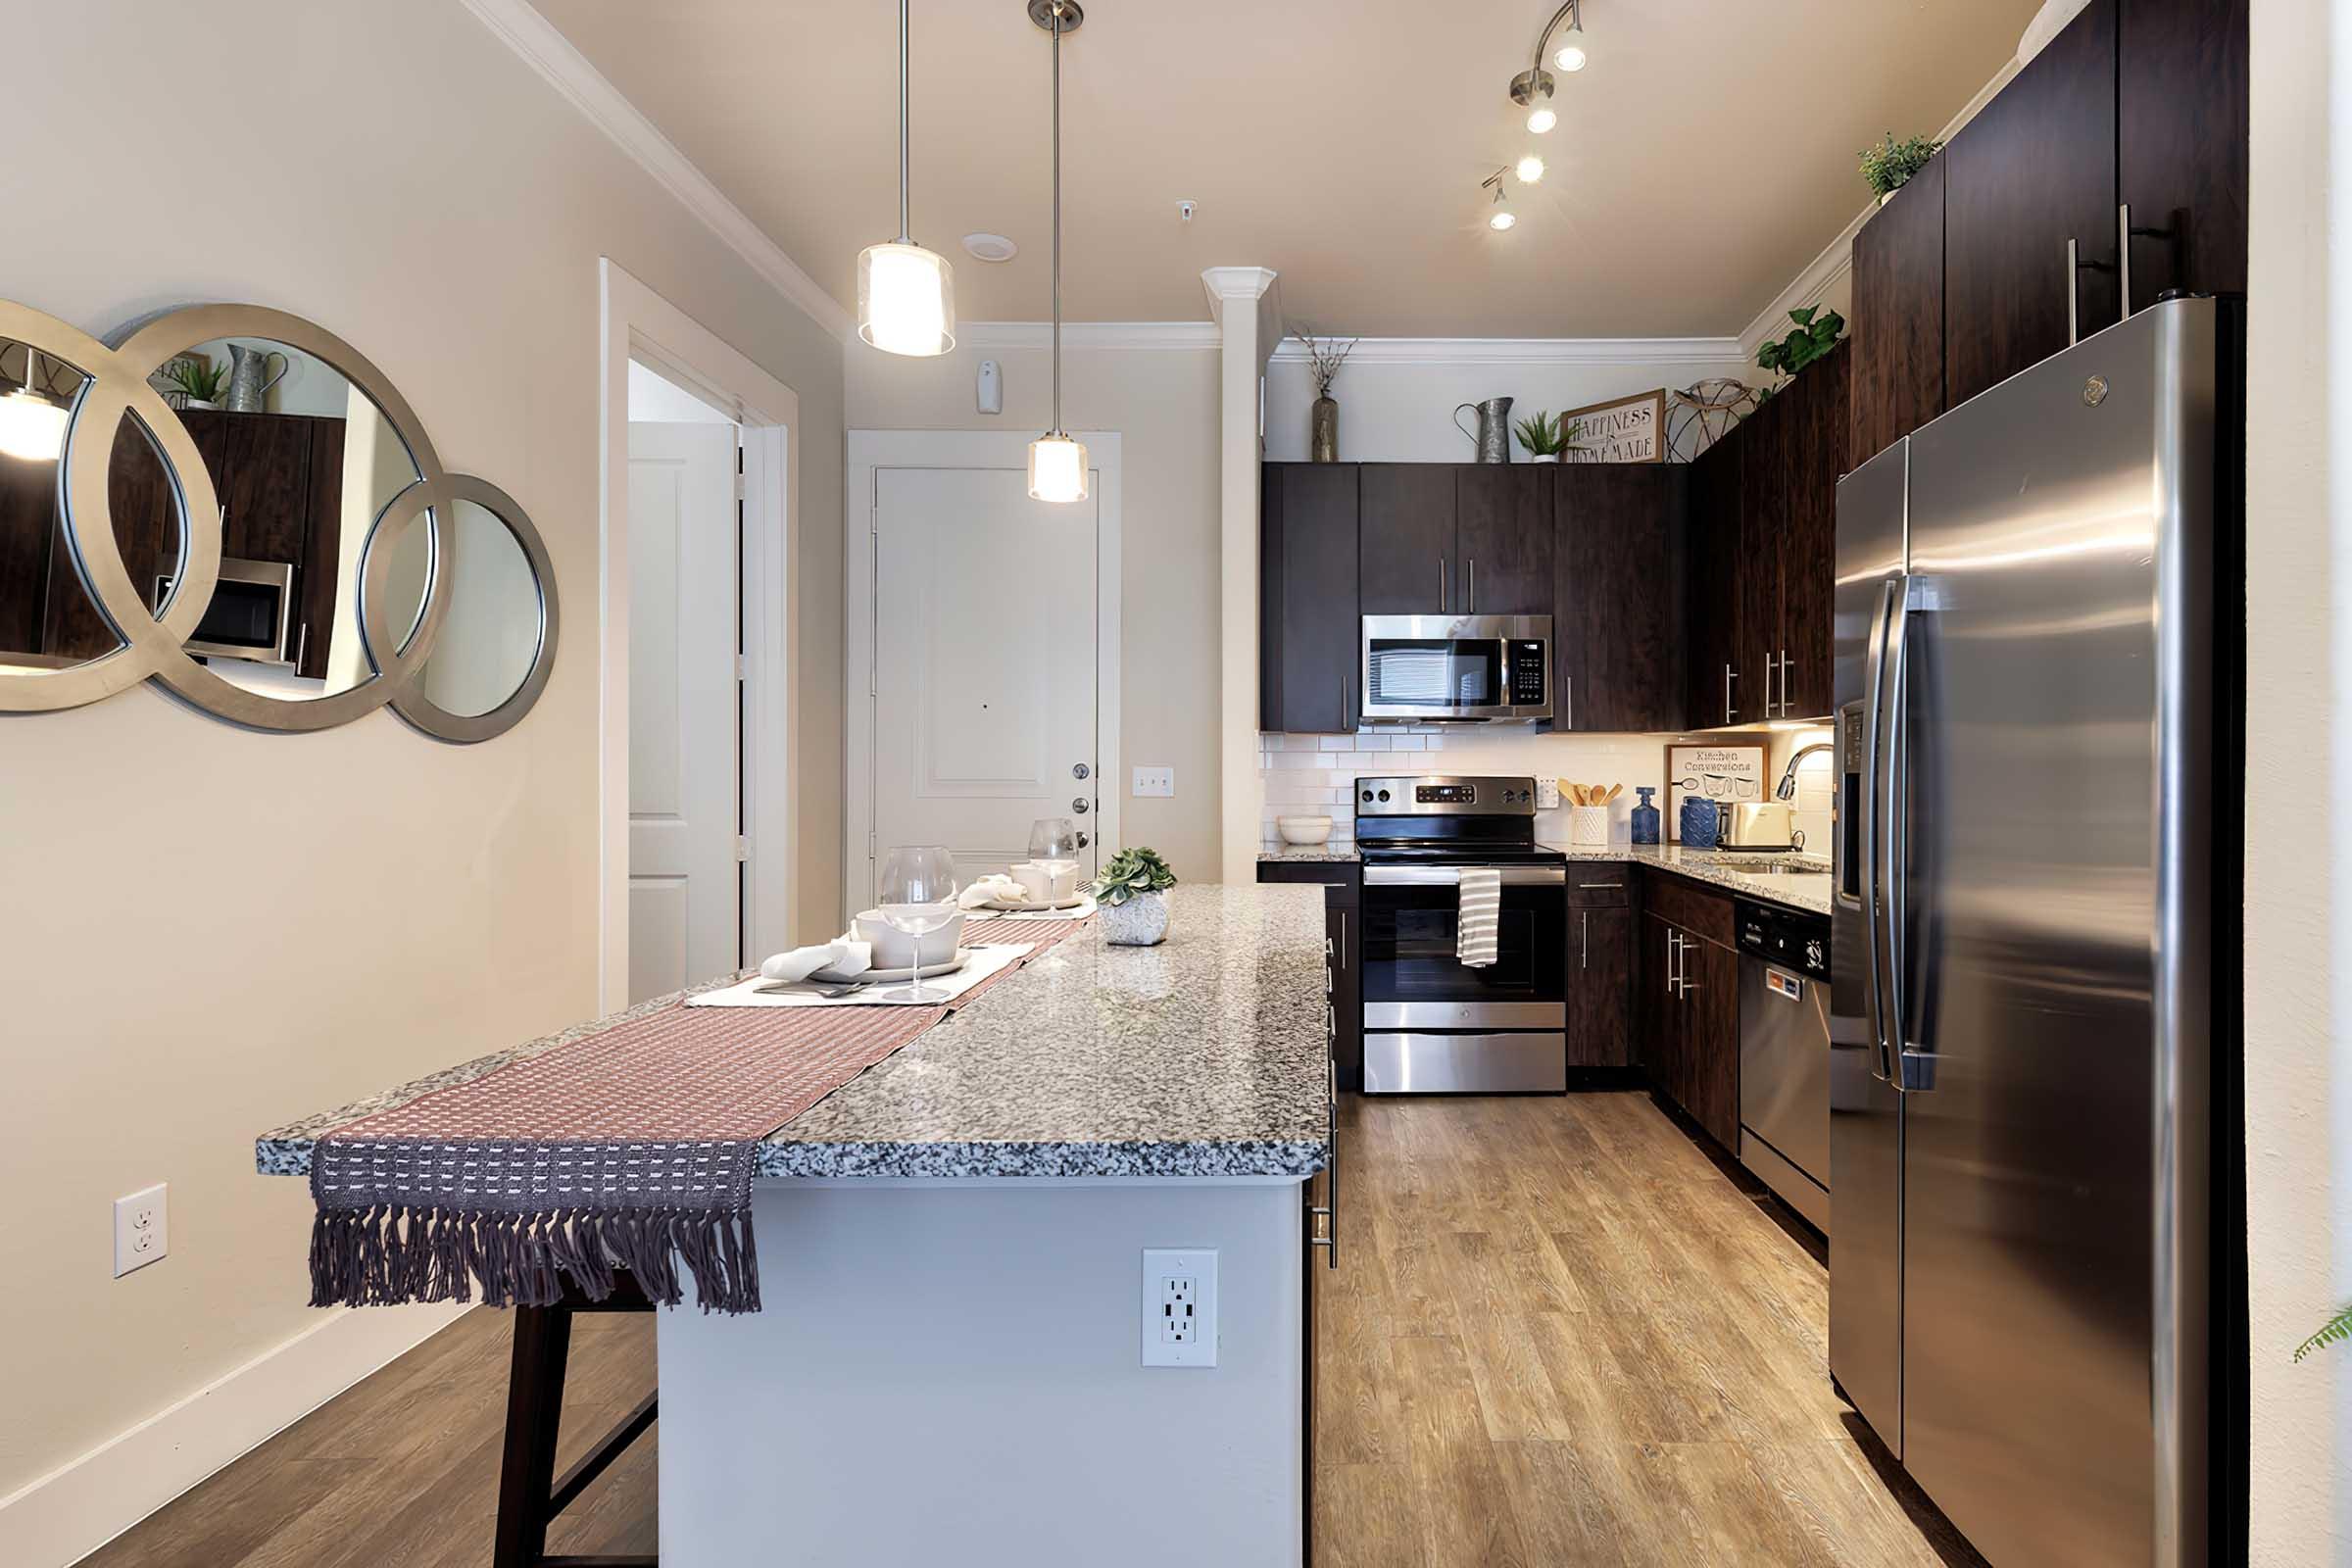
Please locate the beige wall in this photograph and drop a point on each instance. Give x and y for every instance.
(2298, 893)
(210, 931)
(1163, 403)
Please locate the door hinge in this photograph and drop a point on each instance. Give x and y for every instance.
(739, 484)
(743, 848)
(869, 844)
(742, 667)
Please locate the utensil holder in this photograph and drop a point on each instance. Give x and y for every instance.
(1589, 826)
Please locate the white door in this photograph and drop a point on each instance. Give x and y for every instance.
(985, 623)
(685, 763)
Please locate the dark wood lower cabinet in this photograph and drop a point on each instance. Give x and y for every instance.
(1601, 987)
(1343, 934)
(1686, 1005)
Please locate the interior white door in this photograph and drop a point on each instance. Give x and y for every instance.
(685, 762)
(985, 623)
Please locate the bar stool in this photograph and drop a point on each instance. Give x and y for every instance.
(529, 1493)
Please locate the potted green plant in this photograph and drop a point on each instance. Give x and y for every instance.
(1543, 436)
(1129, 893)
(199, 378)
(1816, 333)
(1888, 165)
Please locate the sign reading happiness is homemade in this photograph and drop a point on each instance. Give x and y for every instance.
(1624, 430)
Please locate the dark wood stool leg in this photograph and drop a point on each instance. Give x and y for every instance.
(534, 1412)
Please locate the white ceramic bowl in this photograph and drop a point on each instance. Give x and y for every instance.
(895, 949)
(1304, 830)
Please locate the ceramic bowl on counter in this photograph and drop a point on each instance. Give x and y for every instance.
(895, 949)
(1304, 831)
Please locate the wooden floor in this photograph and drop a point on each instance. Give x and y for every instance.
(1558, 1334)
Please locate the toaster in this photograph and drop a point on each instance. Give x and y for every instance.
(1761, 826)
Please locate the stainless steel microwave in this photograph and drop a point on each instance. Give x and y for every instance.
(251, 615)
(1456, 668)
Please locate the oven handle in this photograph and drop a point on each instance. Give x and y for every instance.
(1449, 876)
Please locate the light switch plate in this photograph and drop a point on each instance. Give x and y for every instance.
(143, 1230)
(1179, 1307)
(1154, 781)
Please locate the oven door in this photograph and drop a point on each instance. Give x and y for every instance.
(1464, 668)
(1412, 978)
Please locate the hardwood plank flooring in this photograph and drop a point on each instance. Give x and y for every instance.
(1559, 1334)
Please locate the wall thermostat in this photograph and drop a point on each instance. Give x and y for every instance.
(991, 390)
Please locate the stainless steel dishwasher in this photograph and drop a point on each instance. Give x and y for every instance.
(1784, 1053)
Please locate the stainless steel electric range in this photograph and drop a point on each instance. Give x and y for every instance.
(1433, 1025)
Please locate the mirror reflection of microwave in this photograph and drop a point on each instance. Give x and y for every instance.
(1457, 668)
(251, 615)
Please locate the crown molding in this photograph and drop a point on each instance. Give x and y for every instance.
(1711, 351)
(1837, 259)
(531, 36)
(1164, 336)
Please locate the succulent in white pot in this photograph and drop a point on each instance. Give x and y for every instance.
(1128, 895)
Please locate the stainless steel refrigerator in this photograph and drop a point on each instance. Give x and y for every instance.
(2035, 690)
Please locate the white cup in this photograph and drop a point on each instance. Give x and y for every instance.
(1046, 881)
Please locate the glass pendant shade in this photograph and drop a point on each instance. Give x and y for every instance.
(31, 427)
(906, 300)
(1057, 469)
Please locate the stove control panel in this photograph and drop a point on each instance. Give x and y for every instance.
(1443, 795)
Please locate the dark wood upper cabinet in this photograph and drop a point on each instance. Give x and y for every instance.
(1617, 596)
(1766, 438)
(1817, 453)
(2034, 169)
(1504, 545)
(1307, 633)
(2180, 144)
(1711, 618)
(1407, 565)
(1897, 342)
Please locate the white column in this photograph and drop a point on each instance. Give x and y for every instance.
(2299, 896)
(1245, 306)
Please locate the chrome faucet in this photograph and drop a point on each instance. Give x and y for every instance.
(1786, 788)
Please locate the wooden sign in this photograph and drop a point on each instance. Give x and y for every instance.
(1728, 772)
(1626, 431)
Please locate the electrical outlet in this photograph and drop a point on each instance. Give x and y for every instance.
(1179, 1307)
(143, 1230)
(1548, 795)
(1154, 781)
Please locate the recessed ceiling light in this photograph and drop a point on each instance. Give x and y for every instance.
(991, 247)
(1531, 169)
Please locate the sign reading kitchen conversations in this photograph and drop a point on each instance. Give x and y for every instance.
(1626, 431)
(1728, 772)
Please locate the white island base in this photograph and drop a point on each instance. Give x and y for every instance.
(950, 1371)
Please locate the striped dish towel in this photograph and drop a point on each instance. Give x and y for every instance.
(1482, 909)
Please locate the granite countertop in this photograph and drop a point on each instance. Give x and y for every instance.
(1806, 889)
(1205, 1056)
(1339, 851)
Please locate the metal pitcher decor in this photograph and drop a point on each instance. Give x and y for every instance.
(1493, 432)
(249, 380)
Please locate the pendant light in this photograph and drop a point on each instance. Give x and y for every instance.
(31, 426)
(905, 294)
(1056, 463)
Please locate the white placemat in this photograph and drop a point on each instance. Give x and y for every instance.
(982, 963)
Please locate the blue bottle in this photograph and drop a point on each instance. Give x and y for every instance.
(1702, 820)
(1646, 816)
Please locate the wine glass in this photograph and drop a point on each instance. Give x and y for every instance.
(916, 896)
(1053, 845)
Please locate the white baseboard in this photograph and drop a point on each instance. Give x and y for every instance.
(70, 1512)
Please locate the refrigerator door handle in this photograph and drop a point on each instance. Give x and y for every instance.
(1873, 833)
(1892, 847)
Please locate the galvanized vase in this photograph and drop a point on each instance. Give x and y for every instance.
(1494, 433)
(1323, 430)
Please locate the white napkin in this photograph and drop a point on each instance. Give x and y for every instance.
(997, 888)
(841, 957)
(1481, 918)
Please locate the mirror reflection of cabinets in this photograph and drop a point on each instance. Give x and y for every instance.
(269, 535)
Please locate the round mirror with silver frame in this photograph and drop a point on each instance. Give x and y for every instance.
(321, 542)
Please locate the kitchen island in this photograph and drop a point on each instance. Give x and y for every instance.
(949, 1361)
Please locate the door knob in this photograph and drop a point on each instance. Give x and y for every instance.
(1085, 839)
(1081, 806)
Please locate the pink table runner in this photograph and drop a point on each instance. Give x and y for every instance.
(631, 1146)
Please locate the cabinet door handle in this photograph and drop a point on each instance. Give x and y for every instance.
(1444, 585)
(2125, 234)
(1343, 955)
(1584, 956)
(1729, 675)
(1327, 1235)
(1786, 662)
(1674, 941)
(1470, 594)
(2073, 293)
(1768, 666)
(1568, 701)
